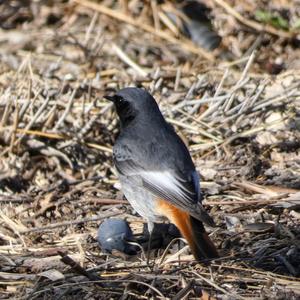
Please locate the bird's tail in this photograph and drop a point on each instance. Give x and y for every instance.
(192, 230)
(204, 248)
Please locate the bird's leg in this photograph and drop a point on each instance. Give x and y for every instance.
(150, 229)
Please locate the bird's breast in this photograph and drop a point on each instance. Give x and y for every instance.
(144, 202)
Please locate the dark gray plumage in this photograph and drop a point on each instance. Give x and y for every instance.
(156, 160)
(156, 171)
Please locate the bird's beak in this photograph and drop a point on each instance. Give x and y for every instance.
(109, 98)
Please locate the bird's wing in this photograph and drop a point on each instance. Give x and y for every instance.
(182, 191)
(163, 177)
(173, 187)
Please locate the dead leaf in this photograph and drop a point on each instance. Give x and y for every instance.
(52, 274)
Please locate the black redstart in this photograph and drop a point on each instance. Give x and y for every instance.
(156, 171)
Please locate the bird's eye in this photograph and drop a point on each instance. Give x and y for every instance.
(119, 99)
(121, 103)
(125, 110)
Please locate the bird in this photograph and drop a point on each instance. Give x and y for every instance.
(194, 21)
(156, 171)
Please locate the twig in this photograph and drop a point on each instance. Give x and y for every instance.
(125, 58)
(247, 202)
(15, 126)
(70, 223)
(96, 200)
(240, 83)
(185, 291)
(51, 135)
(78, 269)
(90, 28)
(210, 282)
(67, 110)
(15, 199)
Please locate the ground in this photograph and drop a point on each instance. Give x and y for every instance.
(236, 107)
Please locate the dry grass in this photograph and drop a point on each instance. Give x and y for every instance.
(57, 181)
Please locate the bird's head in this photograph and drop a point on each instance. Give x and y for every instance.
(132, 103)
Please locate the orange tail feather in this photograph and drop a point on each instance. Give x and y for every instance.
(191, 229)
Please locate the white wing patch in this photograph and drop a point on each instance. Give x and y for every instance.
(167, 182)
